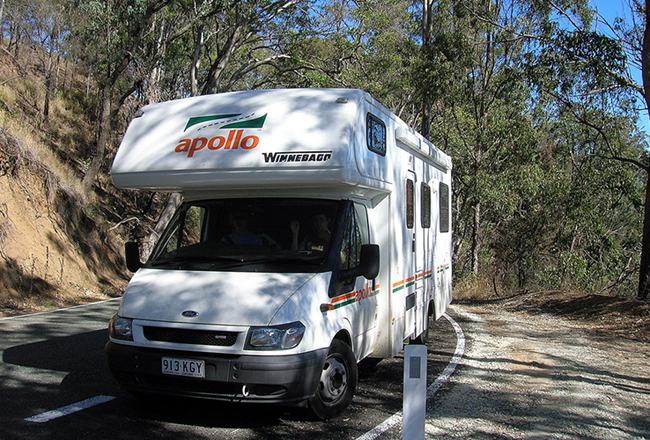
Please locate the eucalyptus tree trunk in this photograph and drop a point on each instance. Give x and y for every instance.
(166, 215)
(199, 42)
(427, 24)
(644, 270)
(104, 130)
(476, 239)
(2, 9)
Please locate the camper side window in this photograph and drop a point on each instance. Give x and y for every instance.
(426, 206)
(444, 207)
(410, 209)
(376, 135)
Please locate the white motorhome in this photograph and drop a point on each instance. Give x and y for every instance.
(315, 232)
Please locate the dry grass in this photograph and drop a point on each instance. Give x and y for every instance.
(35, 148)
(472, 288)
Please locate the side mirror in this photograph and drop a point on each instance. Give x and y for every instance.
(370, 261)
(368, 266)
(132, 254)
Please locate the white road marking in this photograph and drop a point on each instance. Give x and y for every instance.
(47, 312)
(396, 418)
(453, 363)
(70, 409)
(378, 430)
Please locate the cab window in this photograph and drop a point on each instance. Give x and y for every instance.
(354, 236)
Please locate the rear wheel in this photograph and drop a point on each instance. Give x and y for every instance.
(424, 337)
(337, 383)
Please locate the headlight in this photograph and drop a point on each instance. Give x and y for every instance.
(120, 328)
(280, 337)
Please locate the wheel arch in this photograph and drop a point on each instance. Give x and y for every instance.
(344, 336)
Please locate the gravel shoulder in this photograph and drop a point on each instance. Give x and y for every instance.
(529, 372)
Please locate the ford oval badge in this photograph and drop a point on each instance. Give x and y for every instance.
(190, 314)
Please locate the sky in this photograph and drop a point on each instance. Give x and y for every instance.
(610, 9)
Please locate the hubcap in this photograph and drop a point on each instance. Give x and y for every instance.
(333, 380)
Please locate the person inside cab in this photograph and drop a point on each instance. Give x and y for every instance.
(241, 234)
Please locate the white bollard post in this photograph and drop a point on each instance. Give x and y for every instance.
(415, 392)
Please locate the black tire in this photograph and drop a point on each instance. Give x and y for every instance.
(424, 337)
(337, 383)
(368, 367)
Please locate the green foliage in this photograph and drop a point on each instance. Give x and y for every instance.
(532, 126)
(534, 104)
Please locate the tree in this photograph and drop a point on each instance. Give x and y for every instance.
(535, 114)
(521, 155)
(644, 270)
(117, 31)
(470, 69)
(592, 81)
(47, 33)
(244, 27)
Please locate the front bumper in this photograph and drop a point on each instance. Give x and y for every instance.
(286, 379)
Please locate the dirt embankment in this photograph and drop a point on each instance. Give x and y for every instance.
(52, 254)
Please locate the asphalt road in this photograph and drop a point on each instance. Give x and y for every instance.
(52, 361)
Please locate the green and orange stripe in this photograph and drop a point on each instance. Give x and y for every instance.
(411, 280)
(352, 297)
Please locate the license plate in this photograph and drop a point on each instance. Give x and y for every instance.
(183, 367)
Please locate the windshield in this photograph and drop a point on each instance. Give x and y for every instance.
(231, 233)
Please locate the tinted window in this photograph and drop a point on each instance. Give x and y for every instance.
(240, 231)
(410, 212)
(350, 250)
(426, 206)
(376, 135)
(444, 208)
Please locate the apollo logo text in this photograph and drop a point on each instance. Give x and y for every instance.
(234, 140)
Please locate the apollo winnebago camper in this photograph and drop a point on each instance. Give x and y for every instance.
(315, 232)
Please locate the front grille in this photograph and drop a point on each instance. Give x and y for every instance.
(187, 336)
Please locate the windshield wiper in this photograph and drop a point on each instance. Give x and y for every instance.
(227, 262)
(273, 259)
(192, 259)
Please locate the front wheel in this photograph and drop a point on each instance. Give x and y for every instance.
(337, 383)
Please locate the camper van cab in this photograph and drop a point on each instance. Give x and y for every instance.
(315, 232)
